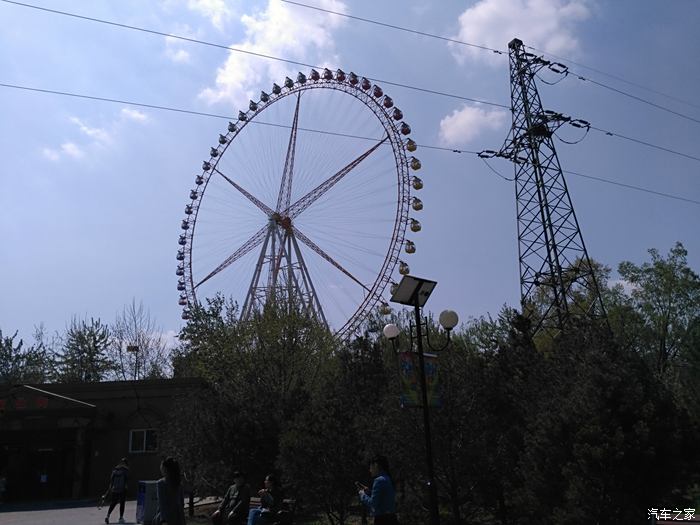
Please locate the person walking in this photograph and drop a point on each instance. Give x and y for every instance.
(381, 501)
(118, 484)
(233, 510)
(171, 498)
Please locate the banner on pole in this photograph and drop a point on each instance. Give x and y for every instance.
(409, 374)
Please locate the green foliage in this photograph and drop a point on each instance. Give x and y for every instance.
(84, 352)
(23, 365)
(258, 375)
(666, 297)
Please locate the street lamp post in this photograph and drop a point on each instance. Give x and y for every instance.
(134, 349)
(414, 291)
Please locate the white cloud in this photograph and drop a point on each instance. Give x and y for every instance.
(463, 124)
(99, 134)
(72, 150)
(280, 30)
(51, 154)
(178, 55)
(67, 149)
(134, 114)
(544, 24)
(175, 47)
(216, 11)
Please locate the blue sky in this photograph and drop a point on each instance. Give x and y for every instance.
(93, 192)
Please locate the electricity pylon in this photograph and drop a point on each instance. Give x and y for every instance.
(557, 280)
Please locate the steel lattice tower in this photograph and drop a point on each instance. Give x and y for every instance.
(557, 281)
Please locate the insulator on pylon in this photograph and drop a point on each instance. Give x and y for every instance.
(415, 163)
(416, 204)
(415, 225)
(410, 247)
(411, 145)
(404, 269)
(417, 183)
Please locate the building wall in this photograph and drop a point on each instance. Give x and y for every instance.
(63, 440)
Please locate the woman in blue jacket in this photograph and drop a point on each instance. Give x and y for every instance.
(381, 501)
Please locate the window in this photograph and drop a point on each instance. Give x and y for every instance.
(143, 440)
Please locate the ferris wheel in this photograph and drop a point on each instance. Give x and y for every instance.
(305, 199)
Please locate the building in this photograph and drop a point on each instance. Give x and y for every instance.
(62, 440)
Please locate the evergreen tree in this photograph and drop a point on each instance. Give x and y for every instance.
(83, 356)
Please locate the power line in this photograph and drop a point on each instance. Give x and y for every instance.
(425, 146)
(486, 48)
(616, 77)
(635, 97)
(398, 28)
(246, 52)
(647, 144)
(632, 187)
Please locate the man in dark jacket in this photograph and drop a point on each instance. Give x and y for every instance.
(234, 507)
(118, 485)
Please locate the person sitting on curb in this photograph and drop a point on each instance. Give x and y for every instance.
(233, 509)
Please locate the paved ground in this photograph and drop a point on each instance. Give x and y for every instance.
(79, 513)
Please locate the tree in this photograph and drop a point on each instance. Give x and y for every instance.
(84, 352)
(257, 373)
(23, 365)
(666, 295)
(135, 330)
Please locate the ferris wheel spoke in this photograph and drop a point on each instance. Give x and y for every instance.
(285, 193)
(307, 200)
(311, 244)
(263, 207)
(247, 246)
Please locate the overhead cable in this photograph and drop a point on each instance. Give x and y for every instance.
(246, 52)
(399, 28)
(230, 117)
(616, 77)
